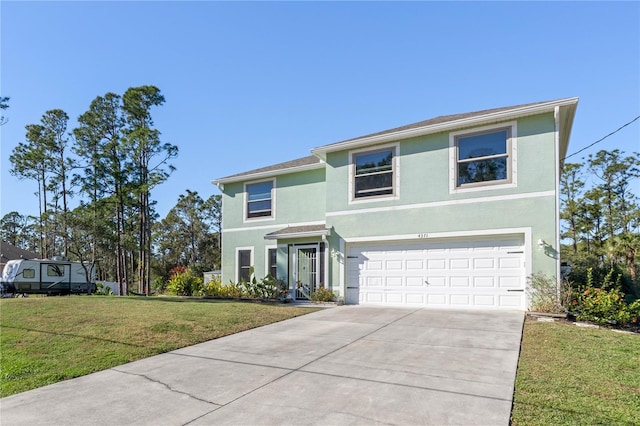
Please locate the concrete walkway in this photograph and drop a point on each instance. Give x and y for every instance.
(345, 365)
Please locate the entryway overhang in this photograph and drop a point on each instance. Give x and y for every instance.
(305, 231)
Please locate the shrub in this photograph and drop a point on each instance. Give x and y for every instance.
(159, 284)
(634, 312)
(322, 294)
(184, 283)
(265, 288)
(214, 288)
(600, 299)
(602, 306)
(103, 290)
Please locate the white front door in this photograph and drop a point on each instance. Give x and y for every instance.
(471, 272)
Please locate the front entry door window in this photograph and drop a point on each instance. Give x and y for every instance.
(307, 267)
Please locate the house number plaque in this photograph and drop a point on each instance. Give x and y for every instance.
(423, 235)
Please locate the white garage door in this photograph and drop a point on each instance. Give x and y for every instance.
(486, 272)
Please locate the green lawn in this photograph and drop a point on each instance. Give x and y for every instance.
(568, 375)
(44, 340)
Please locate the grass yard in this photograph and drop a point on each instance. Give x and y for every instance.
(568, 375)
(44, 340)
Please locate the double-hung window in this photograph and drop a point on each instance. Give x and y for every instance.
(373, 173)
(260, 200)
(483, 158)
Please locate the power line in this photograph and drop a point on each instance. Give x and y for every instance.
(601, 139)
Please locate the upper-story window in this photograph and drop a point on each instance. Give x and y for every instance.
(374, 173)
(260, 200)
(483, 158)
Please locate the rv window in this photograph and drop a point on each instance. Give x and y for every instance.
(29, 273)
(54, 271)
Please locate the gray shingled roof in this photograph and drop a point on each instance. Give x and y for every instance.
(10, 252)
(305, 161)
(442, 119)
(293, 230)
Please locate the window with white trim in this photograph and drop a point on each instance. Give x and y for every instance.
(374, 173)
(259, 200)
(244, 265)
(483, 158)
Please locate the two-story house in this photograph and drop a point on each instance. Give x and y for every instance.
(456, 211)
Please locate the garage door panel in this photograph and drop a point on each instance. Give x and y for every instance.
(513, 262)
(392, 265)
(436, 264)
(436, 281)
(511, 282)
(373, 281)
(459, 281)
(460, 299)
(484, 282)
(485, 300)
(415, 281)
(415, 264)
(512, 301)
(484, 263)
(414, 298)
(374, 297)
(437, 299)
(459, 264)
(373, 265)
(394, 298)
(394, 281)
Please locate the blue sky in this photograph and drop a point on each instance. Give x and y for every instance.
(251, 84)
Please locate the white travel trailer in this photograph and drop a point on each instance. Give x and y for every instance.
(47, 276)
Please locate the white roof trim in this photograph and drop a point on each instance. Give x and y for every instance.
(268, 173)
(449, 125)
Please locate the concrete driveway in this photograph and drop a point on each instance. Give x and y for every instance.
(344, 365)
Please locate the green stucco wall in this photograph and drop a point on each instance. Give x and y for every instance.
(425, 204)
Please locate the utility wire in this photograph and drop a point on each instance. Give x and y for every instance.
(601, 139)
